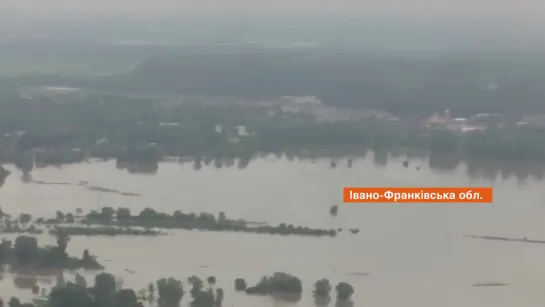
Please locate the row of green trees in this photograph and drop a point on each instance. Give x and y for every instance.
(150, 218)
(126, 128)
(108, 292)
(169, 292)
(25, 253)
(289, 287)
(400, 83)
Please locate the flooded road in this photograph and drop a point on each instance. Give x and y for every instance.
(404, 255)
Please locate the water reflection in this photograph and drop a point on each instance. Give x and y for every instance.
(491, 170)
(280, 298)
(488, 170)
(322, 301)
(207, 160)
(197, 165)
(380, 158)
(229, 162)
(138, 167)
(290, 156)
(243, 163)
(442, 162)
(26, 177)
(479, 169)
(405, 247)
(344, 303)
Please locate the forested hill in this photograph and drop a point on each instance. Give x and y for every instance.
(400, 84)
(418, 83)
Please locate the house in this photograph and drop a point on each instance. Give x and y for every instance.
(457, 124)
(436, 120)
(486, 120)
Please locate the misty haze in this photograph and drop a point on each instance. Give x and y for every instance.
(195, 153)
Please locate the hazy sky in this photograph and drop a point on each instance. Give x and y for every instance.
(516, 9)
(481, 22)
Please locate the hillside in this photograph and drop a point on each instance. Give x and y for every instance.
(400, 84)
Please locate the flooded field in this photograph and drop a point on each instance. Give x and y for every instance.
(404, 255)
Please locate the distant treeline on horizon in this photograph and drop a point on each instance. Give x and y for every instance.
(401, 83)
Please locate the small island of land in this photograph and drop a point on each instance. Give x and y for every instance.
(25, 254)
(149, 218)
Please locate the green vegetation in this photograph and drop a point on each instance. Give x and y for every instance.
(240, 284)
(104, 231)
(322, 288)
(149, 218)
(25, 254)
(107, 292)
(25, 225)
(139, 133)
(277, 283)
(169, 292)
(120, 221)
(344, 291)
(123, 129)
(3, 175)
(402, 83)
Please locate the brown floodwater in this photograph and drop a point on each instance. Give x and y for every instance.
(404, 255)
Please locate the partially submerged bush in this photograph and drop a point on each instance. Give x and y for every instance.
(322, 288)
(344, 291)
(211, 280)
(240, 284)
(170, 291)
(277, 283)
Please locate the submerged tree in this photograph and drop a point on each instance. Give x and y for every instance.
(170, 292)
(126, 298)
(123, 213)
(14, 302)
(104, 289)
(151, 292)
(26, 249)
(203, 298)
(80, 281)
(60, 281)
(211, 280)
(240, 284)
(71, 295)
(219, 296)
(25, 218)
(70, 218)
(344, 291)
(334, 210)
(196, 285)
(60, 216)
(322, 288)
(278, 283)
(62, 239)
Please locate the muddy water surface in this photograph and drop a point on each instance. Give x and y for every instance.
(404, 255)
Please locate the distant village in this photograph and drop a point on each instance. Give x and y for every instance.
(312, 106)
(479, 122)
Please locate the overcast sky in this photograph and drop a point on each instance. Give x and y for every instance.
(515, 9)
